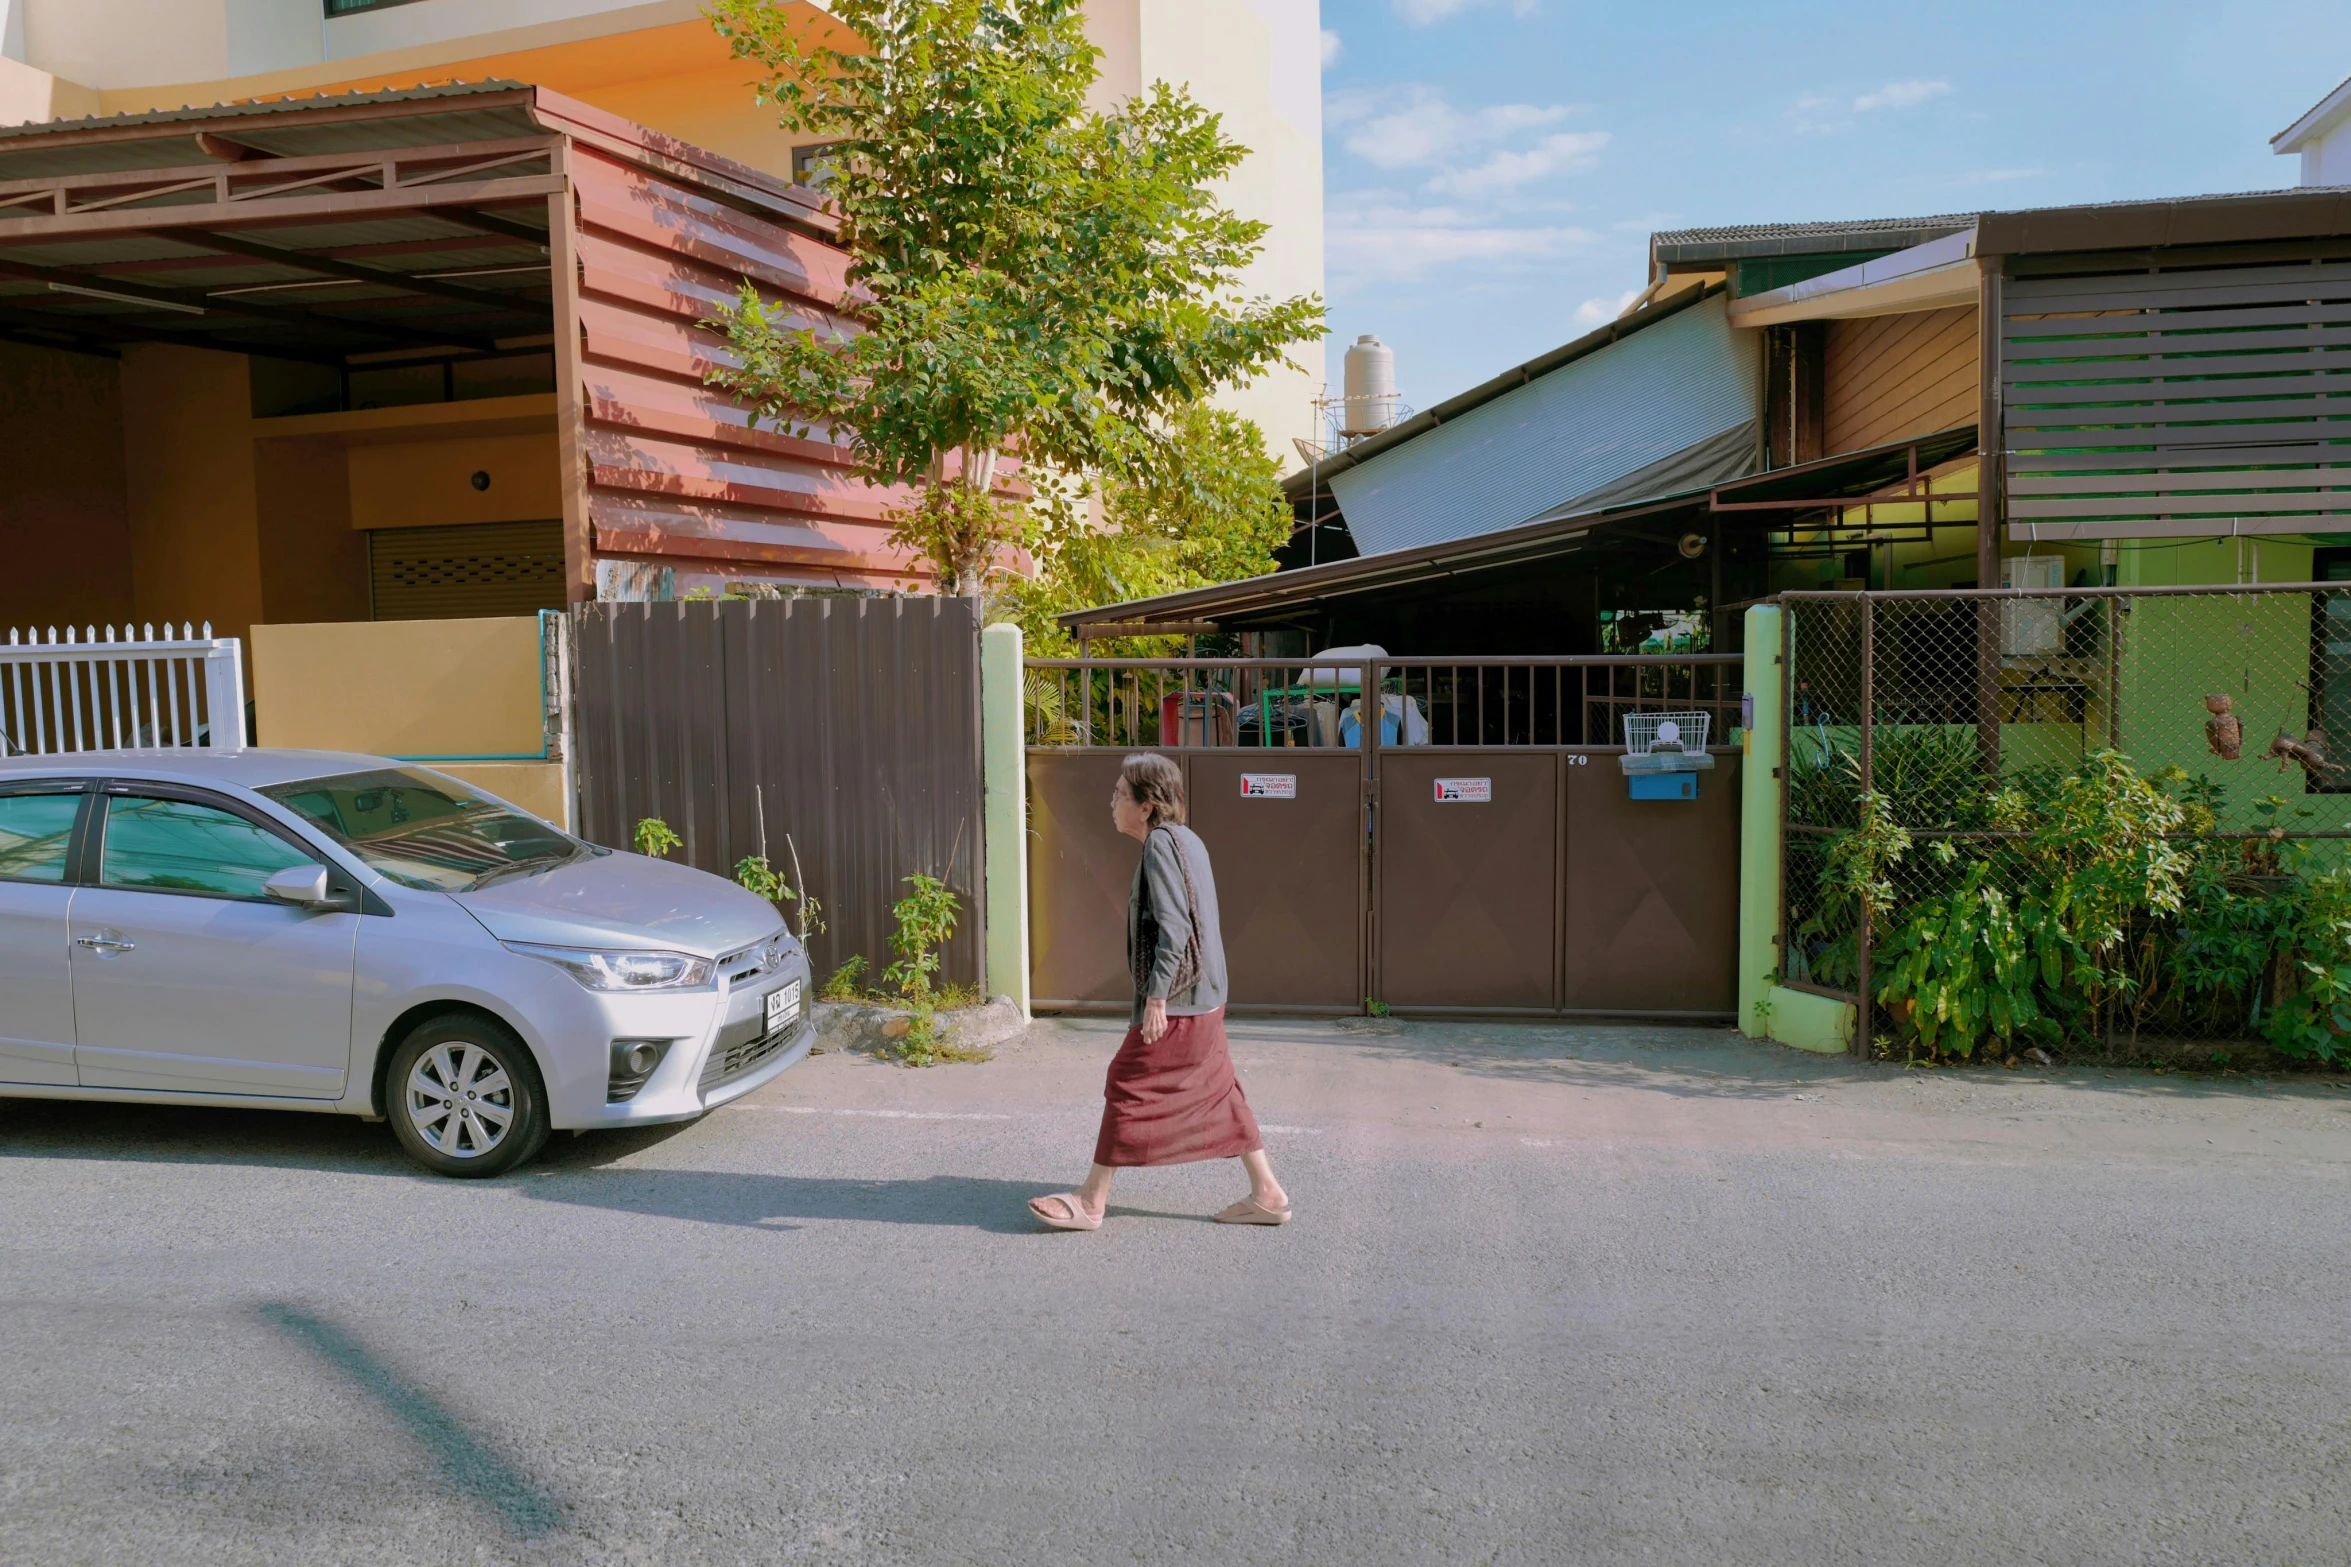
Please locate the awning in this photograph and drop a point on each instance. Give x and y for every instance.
(1934, 276)
(1771, 499)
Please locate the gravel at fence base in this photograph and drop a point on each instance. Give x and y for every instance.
(858, 1025)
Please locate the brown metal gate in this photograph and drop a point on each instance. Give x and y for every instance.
(1487, 859)
(1289, 876)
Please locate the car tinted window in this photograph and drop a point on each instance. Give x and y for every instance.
(424, 830)
(180, 846)
(35, 831)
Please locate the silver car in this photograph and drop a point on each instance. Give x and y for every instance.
(320, 931)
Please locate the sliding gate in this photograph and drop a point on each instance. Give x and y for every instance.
(1474, 851)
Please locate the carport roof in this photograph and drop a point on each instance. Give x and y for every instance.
(396, 223)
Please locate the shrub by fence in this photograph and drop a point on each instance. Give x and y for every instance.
(2082, 818)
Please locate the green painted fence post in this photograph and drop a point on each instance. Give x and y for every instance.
(1760, 845)
(1004, 778)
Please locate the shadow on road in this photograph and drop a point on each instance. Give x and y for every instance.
(778, 1202)
(197, 1134)
(469, 1466)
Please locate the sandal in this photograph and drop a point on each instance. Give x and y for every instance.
(1250, 1211)
(1076, 1219)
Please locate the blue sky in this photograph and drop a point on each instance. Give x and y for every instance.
(1493, 168)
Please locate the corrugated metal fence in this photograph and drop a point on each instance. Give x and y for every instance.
(851, 725)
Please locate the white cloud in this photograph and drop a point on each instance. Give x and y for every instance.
(1330, 46)
(1420, 13)
(1900, 95)
(1506, 170)
(1812, 115)
(1599, 312)
(1418, 128)
(1377, 237)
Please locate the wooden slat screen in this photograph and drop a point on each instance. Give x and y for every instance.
(2188, 403)
(465, 570)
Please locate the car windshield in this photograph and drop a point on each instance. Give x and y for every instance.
(425, 830)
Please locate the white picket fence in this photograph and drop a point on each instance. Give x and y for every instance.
(96, 692)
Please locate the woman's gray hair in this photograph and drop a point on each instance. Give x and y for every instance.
(1156, 784)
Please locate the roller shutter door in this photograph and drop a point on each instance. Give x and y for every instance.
(452, 573)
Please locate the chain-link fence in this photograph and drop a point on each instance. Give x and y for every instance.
(2091, 820)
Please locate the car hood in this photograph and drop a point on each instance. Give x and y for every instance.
(623, 900)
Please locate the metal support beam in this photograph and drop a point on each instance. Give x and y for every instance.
(279, 315)
(329, 266)
(166, 326)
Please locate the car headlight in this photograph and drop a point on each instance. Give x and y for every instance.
(624, 970)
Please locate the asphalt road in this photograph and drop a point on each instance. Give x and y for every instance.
(1594, 1295)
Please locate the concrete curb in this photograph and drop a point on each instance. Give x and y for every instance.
(858, 1025)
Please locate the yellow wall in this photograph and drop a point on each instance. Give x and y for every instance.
(413, 688)
(660, 65)
(423, 484)
(538, 787)
(189, 487)
(313, 567)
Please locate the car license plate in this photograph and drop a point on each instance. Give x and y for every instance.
(783, 1006)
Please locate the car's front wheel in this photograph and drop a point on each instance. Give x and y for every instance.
(465, 1097)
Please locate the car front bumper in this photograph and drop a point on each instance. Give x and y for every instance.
(703, 1031)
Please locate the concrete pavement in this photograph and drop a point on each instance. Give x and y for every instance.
(1554, 1295)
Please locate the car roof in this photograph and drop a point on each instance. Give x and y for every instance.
(253, 767)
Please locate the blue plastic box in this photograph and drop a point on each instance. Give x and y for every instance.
(1663, 786)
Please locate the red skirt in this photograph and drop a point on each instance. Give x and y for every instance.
(1176, 1101)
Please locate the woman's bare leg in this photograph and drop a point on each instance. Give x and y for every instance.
(1264, 1190)
(1095, 1193)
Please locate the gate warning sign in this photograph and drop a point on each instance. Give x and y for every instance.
(1269, 786)
(1465, 791)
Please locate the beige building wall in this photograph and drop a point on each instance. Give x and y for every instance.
(1258, 64)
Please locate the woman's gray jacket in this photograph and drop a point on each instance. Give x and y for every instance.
(1159, 894)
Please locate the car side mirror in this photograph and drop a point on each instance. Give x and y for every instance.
(302, 885)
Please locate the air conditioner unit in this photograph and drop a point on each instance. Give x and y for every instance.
(2032, 626)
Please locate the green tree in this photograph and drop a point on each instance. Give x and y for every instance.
(1035, 279)
(1202, 505)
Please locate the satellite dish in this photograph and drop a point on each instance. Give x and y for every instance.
(1692, 545)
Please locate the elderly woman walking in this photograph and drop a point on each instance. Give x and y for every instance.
(1171, 1097)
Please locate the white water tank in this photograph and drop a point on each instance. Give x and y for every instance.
(1370, 403)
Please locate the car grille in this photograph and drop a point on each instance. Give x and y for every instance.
(761, 957)
(742, 1048)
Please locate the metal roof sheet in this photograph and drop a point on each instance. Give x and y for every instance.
(1580, 428)
(1743, 240)
(285, 127)
(1299, 484)
(268, 106)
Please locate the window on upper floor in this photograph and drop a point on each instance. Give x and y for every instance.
(810, 164)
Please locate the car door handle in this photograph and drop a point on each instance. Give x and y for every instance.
(105, 944)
